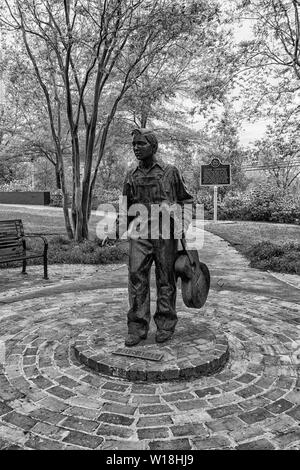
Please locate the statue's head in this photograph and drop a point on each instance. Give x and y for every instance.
(144, 143)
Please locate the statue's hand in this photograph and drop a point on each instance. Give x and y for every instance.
(105, 241)
(179, 234)
(109, 239)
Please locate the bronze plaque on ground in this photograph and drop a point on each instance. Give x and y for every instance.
(147, 355)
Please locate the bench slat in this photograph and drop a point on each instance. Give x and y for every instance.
(9, 245)
(8, 242)
(9, 239)
(10, 236)
(11, 220)
(7, 233)
(8, 224)
(19, 258)
(14, 227)
(11, 251)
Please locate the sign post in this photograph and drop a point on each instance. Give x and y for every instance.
(215, 174)
(215, 204)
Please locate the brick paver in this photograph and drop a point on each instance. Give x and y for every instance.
(49, 400)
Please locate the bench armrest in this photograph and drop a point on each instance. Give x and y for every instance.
(33, 235)
(36, 236)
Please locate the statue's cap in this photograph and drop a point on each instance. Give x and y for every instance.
(149, 135)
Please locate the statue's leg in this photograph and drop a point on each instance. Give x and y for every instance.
(164, 255)
(140, 260)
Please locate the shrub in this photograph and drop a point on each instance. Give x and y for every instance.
(56, 198)
(64, 251)
(265, 250)
(279, 258)
(206, 200)
(87, 252)
(106, 196)
(25, 185)
(264, 203)
(60, 240)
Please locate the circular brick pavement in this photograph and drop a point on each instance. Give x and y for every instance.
(195, 350)
(49, 400)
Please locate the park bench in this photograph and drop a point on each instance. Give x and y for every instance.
(13, 245)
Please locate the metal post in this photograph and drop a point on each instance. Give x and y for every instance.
(2, 75)
(215, 204)
(32, 177)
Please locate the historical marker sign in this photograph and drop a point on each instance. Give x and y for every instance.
(147, 355)
(215, 174)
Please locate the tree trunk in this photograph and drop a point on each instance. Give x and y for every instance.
(79, 233)
(144, 119)
(65, 202)
(67, 216)
(85, 203)
(89, 209)
(57, 176)
(77, 217)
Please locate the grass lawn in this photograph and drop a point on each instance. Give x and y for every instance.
(44, 220)
(268, 246)
(243, 235)
(49, 221)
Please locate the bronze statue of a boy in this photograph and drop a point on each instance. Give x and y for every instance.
(152, 182)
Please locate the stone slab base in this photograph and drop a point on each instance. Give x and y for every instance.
(196, 349)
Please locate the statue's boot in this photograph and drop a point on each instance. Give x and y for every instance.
(163, 335)
(134, 339)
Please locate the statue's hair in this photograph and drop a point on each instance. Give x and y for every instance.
(149, 135)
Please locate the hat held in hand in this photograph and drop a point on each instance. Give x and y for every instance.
(195, 277)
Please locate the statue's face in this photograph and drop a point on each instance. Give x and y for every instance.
(141, 147)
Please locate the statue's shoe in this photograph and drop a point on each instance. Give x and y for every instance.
(163, 335)
(134, 339)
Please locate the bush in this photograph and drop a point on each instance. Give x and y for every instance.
(265, 203)
(87, 252)
(16, 186)
(56, 198)
(205, 198)
(65, 251)
(104, 197)
(107, 196)
(265, 250)
(278, 258)
(61, 240)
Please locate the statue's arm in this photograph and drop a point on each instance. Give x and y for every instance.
(184, 199)
(123, 220)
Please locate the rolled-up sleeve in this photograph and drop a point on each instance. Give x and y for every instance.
(183, 198)
(123, 220)
(181, 191)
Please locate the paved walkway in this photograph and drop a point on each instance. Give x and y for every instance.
(50, 401)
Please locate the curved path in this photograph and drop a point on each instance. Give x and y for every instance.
(50, 401)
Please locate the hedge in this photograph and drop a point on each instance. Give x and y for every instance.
(263, 204)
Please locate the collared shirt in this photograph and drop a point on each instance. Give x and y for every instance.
(157, 188)
(172, 182)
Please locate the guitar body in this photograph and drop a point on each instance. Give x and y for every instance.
(195, 278)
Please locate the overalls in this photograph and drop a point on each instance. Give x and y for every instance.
(149, 189)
